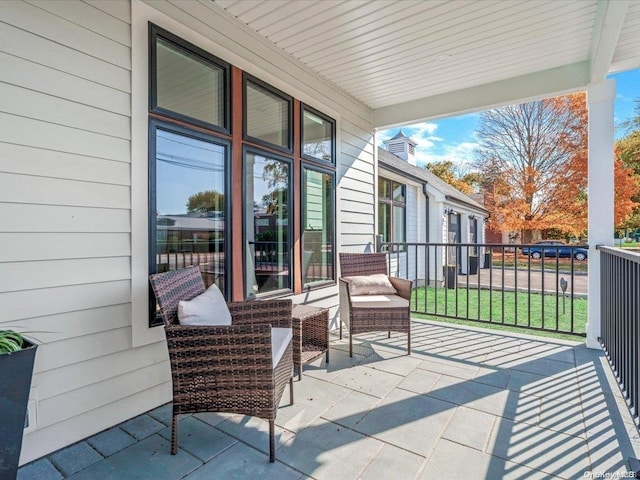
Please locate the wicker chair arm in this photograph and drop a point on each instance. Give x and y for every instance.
(402, 286)
(276, 313)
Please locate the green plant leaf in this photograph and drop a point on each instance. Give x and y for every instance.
(10, 341)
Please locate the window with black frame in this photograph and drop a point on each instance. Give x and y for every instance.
(318, 256)
(268, 115)
(187, 83)
(267, 194)
(392, 211)
(318, 136)
(188, 161)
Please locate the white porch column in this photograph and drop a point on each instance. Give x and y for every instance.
(600, 98)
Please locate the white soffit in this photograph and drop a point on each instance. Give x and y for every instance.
(627, 53)
(389, 53)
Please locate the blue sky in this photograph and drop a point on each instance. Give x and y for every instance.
(454, 138)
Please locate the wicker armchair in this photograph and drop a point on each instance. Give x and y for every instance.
(372, 316)
(224, 368)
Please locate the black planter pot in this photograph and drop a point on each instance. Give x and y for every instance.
(15, 384)
(472, 268)
(450, 276)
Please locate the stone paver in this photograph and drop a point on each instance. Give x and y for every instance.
(470, 427)
(75, 458)
(199, 439)
(142, 426)
(242, 462)
(148, 459)
(407, 420)
(466, 403)
(111, 441)
(41, 469)
(393, 463)
(329, 451)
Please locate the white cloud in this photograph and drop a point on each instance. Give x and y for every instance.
(422, 134)
(461, 153)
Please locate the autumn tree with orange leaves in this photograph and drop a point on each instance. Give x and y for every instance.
(528, 155)
(533, 158)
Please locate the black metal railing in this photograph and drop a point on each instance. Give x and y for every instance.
(620, 318)
(541, 287)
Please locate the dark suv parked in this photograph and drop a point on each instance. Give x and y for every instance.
(555, 248)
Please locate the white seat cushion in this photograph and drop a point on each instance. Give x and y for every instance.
(376, 284)
(208, 308)
(280, 338)
(378, 301)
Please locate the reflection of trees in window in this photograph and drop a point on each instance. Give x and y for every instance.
(276, 174)
(207, 201)
(318, 135)
(321, 150)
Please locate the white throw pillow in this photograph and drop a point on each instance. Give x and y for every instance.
(280, 338)
(208, 308)
(377, 284)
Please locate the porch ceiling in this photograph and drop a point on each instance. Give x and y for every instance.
(448, 56)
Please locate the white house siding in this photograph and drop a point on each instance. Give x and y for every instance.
(66, 190)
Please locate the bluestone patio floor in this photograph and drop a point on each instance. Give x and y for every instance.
(467, 403)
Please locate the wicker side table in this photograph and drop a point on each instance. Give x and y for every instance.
(310, 334)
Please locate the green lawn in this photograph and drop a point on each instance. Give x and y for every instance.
(498, 309)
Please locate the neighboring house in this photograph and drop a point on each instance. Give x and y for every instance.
(416, 206)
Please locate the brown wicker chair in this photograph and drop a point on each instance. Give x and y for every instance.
(367, 318)
(223, 368)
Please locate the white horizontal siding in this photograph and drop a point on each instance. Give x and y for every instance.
(58, 29)
(76, 324)
(35, 133)
(16, 276)
(23, 218)
(29, 46)
(88, 18)
(21, 247)
(120, 9)
(71, 377)
(56, 191)
(28, 304)
(105, 393)
(48, 163)
(40, 106)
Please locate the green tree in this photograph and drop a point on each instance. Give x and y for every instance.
(628, 153)
(206, 201)
(455, 175)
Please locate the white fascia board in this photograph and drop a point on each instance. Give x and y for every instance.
(534, 86)
(606, 32)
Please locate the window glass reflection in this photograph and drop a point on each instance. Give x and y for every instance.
(268, 258)
(190, 199)
(188, 85)
(267, 116)
(317, 238)
(317, 141)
